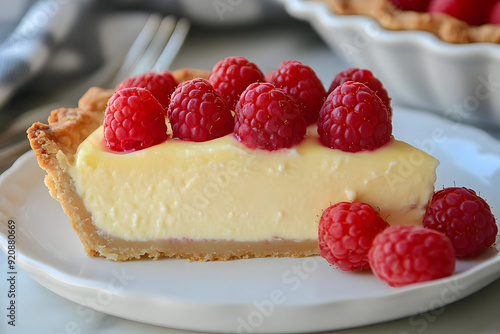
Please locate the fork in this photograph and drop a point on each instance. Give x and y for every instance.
(154, 49)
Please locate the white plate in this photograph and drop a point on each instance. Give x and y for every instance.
(258, 295)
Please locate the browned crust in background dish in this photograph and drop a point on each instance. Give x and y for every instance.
(446, 27)
(57, 142)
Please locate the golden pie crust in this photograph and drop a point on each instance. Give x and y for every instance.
(66, 129)
(446, 27)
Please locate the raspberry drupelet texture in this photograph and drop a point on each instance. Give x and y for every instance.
(301, 83)
(403, 255)
(231, 76)
(464, 217)
(353, 118)
(134, 120)
(365, 77)
(197, 113)
(346, 233)
(160, 84)
(268, 118)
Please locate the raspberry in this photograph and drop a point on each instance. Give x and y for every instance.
(302, 84)
(197, 113)
(231, 76)
(464, 217)
(415, 5)
(161, 85)
(494, 16)
(134, 120)
(354, 119)
(472, 12)
(268, 118)
(365, 77)
(346, 232)
(403, 255)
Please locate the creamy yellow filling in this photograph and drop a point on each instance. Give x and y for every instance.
(222, 190)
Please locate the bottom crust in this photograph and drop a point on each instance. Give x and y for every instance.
(55, 144)
(206, 250)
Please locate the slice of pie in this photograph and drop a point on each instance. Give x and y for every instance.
(218, 199)
(446, 27)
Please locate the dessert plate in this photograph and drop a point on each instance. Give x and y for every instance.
(248, 296)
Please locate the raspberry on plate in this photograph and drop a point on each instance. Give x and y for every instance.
(197, 113)
(134, 120)
(353, 118)
(346, 233)
(403, 255)
(160, 84)
(471, 12)
(301, 83)
(365, 77)
(464, 217)
(268, 118)
(231, 76)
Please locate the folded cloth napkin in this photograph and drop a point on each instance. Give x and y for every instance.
(25, 50)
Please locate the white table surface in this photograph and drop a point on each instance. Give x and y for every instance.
(41, 311)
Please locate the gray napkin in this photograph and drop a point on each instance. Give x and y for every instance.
(26, 49)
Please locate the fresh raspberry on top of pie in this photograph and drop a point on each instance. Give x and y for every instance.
(402, 255)
(134, 120)
(353, 118)
(197, 113)
(268, 118)
(301, 83)
(160, 84)
(365, 77)
(346, 232)
(415, 5)
(472, 12)
(464, 217)
(231, 76)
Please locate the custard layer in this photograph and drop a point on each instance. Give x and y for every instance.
(221, 190)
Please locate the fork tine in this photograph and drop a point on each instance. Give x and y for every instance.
(174, 44)
(137, 49)
(155, 48)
